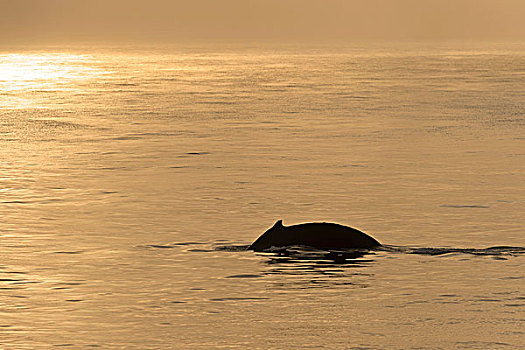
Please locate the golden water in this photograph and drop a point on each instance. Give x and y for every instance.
(123, 171)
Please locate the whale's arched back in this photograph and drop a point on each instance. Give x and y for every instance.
(321, 235)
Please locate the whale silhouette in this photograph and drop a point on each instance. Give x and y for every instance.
(320, 235)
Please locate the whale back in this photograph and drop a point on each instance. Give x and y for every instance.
(317, 235)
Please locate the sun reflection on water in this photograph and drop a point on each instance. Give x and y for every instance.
(27, 79)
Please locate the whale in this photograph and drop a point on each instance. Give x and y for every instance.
(318, 235)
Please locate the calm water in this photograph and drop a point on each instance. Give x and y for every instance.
(126, 174)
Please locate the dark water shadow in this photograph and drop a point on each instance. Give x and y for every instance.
(307, 255)
(305, 268)
(301, 254)
(312, 268)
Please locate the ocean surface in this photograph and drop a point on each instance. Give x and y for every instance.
(133, 178)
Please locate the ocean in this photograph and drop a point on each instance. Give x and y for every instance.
(133, 178)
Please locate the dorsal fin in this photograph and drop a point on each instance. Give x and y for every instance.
(278, 223)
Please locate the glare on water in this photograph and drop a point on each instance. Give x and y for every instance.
(27, 80)
(128, 178)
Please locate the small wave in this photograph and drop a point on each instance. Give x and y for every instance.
(126, 138)
(237, 299)
(159, 246)
(170, 246)
(244, 276)
(197, 153)
(233, 248)
(459, 206)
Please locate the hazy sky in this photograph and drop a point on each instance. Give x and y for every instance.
(175, 21)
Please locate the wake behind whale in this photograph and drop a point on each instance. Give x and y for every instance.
(309, 251)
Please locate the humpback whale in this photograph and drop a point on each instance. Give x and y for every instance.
(320, 235)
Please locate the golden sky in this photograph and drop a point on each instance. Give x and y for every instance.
(176, 21)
